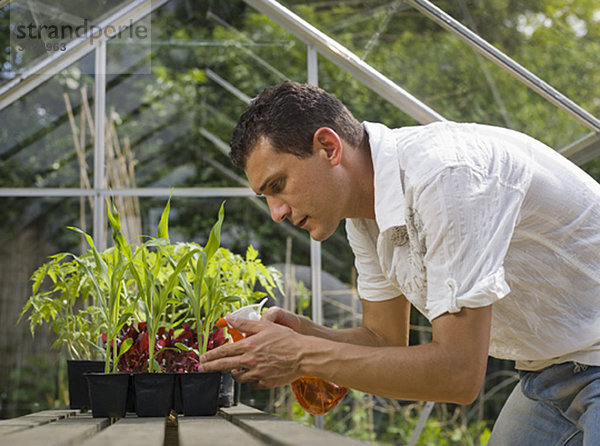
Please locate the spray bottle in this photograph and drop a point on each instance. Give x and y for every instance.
(317, 396)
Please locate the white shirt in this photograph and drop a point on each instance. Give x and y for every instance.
(468, 215)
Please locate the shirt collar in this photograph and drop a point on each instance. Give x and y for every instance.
(390, 203)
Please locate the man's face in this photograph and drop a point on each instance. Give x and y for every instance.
(303, 190)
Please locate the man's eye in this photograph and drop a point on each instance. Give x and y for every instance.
(277, 186)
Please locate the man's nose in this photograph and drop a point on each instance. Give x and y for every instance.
(279, 209)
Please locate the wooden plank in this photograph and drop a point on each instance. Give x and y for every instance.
(42, 417)
(61, 413)
(10, 429)
(213, 430)
(147, 431)
(34, 419)
(69, 431)
(277, 431)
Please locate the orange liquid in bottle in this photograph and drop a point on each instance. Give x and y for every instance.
(316, 395)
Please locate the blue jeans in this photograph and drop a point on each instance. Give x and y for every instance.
(559, 405)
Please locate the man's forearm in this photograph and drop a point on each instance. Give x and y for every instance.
(357, 336)
(450, 368)
(303, 325)
(427, 372)
(384, 323)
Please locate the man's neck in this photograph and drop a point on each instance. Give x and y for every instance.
(361, 202)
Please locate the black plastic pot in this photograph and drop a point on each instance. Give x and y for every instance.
(108, 394)
(79, 397)
(131, 395)
(200, 393)
(154, 393)
(177, 401)
(229, 392)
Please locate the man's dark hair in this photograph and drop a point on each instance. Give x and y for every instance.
(288, 114)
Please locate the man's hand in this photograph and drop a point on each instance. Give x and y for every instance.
(286, 318)
(269, 356)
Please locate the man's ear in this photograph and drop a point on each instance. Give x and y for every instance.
(328, 144)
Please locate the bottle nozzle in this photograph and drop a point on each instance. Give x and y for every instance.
(250, 312)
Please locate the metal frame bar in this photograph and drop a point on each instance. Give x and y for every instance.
(312, 74)
(228, 86)
(99, 140)
(52, 10)
(316, 287)
(249, 52)
(218, 142)
(198, 192)
(425, 412)
(347, 60)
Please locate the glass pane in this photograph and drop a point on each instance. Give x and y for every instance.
(174, 125)
(557, 42)
(39, 30)
(45, 136)
(6, 71)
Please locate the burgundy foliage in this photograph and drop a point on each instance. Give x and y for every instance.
(168, 355)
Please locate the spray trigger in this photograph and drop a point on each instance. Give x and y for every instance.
(250, 312)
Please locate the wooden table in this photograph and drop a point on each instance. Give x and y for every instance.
(239, 425)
